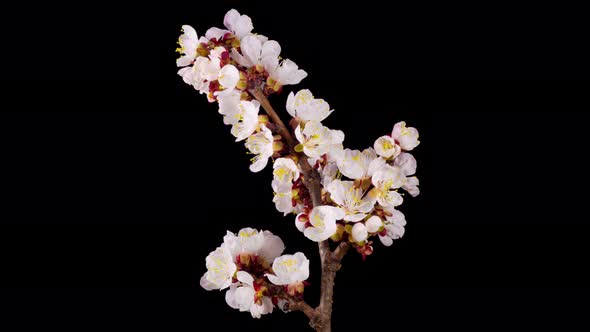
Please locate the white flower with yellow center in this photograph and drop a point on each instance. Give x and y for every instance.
(323, 221)
(386, 180)
(220, 269)
(316, 139)
(289, 269)
(355, 164)
(394, 226)
(351, 199)
(246, 119)
(243, 296)
(305, 107)
(406, 136)
(188, 42)
(386, 147)
(260, 144)
(285, 170)
(204, 71)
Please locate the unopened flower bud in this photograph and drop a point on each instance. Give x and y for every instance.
(359, 232)
(373, 224)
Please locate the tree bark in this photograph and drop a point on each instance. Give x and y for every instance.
(320, 318)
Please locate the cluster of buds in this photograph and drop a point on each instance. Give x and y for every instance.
(249, 265)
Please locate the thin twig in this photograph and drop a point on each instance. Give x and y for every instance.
(305, 308)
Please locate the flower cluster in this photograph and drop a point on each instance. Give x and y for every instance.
(339, 194)
(360, 188)
(226, 64)
(249, 265)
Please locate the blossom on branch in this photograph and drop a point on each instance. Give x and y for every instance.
(341, 197)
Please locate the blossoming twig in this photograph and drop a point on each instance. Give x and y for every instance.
(340, 195)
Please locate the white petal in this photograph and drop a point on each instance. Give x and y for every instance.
(230, 297)
(359, 232)
(208, 285)
(373, 224)
(272, 248)
(291, 104)
(251, 49)
(270, 55)
(407, 163)
(241, 60)
(355, 217)
(230, 18)
(229, 76)
(244, 297)
(386, 240)
(215, 33)
(242, 26)
(245, 277)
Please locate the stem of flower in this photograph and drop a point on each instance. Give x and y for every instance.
(305, 308)
(321, 317)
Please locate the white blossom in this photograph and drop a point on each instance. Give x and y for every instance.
(359, 232)
(228, 76)
(373, 224)
(287, 73)
(289, 269)
(283, 196)
(394, 226)
(240, 25)
(229, 105)
(386, 180)
(220, 269)
(305, 107)
(386, 147)
(285, 170)
(246, 119)
(323, 220)
(204, 70)
(257, 51)
(351, 199)
(243, 296)
(189, 42)
(406, 136)
(407, 164)
(355, 164)
(251, 241)
(260, 144)
(317, 139)
(411, 186)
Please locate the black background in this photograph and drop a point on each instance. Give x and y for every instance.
(119, 179)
